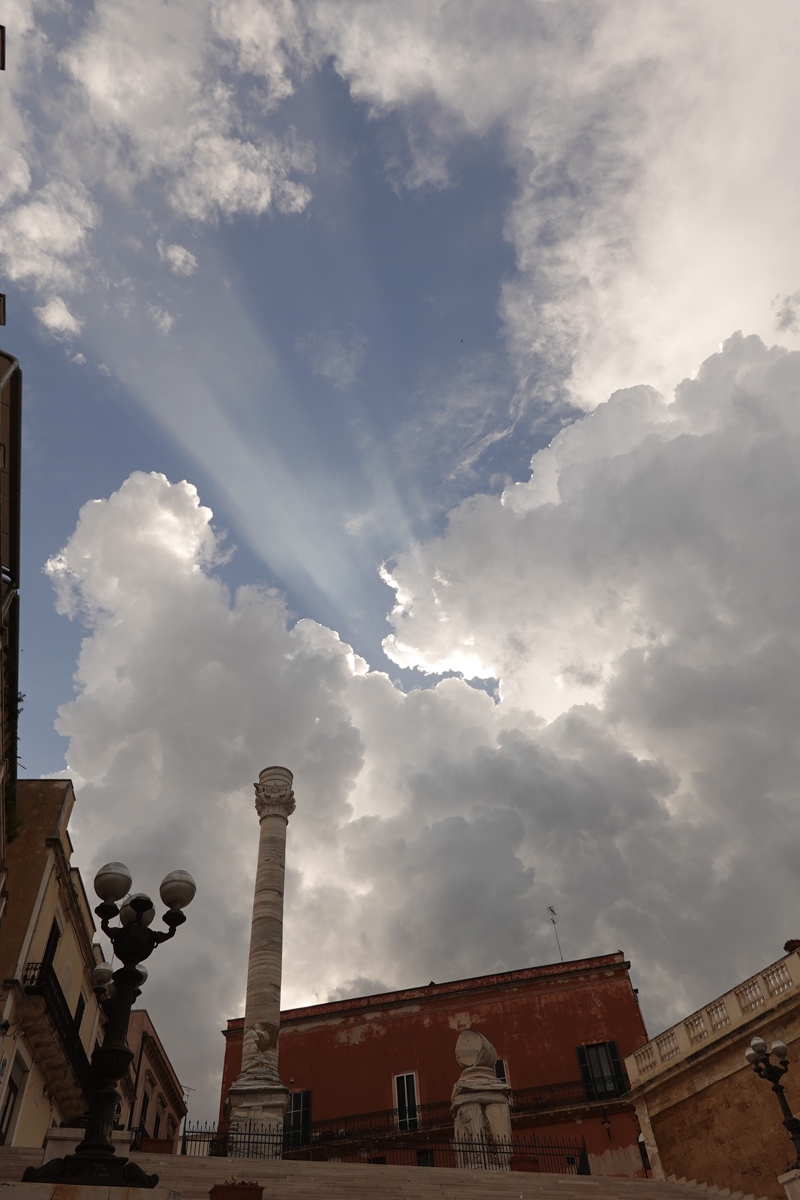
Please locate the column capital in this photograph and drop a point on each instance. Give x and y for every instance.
(274, 795)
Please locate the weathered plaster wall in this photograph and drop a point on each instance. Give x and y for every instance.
(348, 1053)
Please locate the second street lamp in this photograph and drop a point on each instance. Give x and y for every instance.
(760, 1059)
(95, 1160)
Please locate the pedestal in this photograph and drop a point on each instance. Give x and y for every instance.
(791, 1183)
(58, 1142)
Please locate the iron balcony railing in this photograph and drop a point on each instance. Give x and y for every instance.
(564, 1095)
(544, 1098)
(39, 979)
(553, 1155)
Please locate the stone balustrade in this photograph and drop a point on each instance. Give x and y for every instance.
(721, 1016)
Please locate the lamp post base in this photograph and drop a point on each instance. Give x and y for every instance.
(83, 1171)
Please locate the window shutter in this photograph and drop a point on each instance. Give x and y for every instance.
(586, 1074)
(616, 1066)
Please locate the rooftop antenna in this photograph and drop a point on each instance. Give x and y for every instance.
(552, 912)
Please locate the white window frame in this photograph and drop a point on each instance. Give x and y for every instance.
(407, 1126)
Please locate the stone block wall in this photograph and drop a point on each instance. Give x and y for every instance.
(715, 1121)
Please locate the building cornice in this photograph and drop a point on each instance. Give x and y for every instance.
(549, 975)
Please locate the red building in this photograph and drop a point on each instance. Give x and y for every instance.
(561, 1033)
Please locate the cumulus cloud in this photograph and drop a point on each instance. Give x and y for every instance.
(639, 769)
(59, 320)
(180, 260)
(44, 240)
(638, 242)
(336, 359)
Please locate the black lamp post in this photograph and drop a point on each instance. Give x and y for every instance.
(760, 1060)
(95, 1160)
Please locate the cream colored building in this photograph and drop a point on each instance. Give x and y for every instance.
(152, 1093)
(50, 1015)
(703, 1111)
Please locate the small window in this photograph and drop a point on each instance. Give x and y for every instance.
(156, 1125)
(52, 943)
(297, 1122)
(406, 1090)
(500, 1070)
(143, 1113)
(425, 1158)
(7, 1112)
(601, 1070)
(80, 1009)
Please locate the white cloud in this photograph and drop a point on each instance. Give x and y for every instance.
(181, 260)
(162, 320)
(653, 148)
(639, 772)
(59, 320)
(336, 359)
(152, 78)
(44, 240)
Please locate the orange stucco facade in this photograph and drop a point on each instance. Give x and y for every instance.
(348, 1053)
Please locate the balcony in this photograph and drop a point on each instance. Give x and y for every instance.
(49, 1027)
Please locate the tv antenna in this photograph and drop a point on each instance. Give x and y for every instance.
(552, 912)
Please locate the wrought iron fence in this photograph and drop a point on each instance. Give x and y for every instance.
(552, 1156)
(39, 979)
(388, 1122)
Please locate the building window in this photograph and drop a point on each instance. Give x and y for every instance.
(52, 943)
(156, 1125)
(601, 1070)
(500, 1070)
(406, 1089)
(143, 1113)
(425, 1158)
(80, 1009)
(8, 1113)
(12, 1091)
(297, 1122)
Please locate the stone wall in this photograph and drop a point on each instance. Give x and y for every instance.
(715, 1121)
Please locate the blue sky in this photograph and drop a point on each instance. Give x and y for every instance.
(437, 310)
(408, 284)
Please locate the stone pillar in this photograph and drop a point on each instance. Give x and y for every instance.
(259, 1095)
(480, 1104)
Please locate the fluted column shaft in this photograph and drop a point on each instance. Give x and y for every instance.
(262, 1012)
(259, 1093)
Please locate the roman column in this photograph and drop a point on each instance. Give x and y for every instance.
(259, 1094)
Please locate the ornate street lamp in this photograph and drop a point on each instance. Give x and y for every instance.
(760, 1060)
(95, 1160)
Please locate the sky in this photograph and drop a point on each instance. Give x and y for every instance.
(411, 399)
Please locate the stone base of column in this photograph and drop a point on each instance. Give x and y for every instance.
(258, 1099)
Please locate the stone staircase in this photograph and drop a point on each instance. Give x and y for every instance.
(189, 1178)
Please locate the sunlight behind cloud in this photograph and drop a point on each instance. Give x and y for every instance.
(660, 594)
